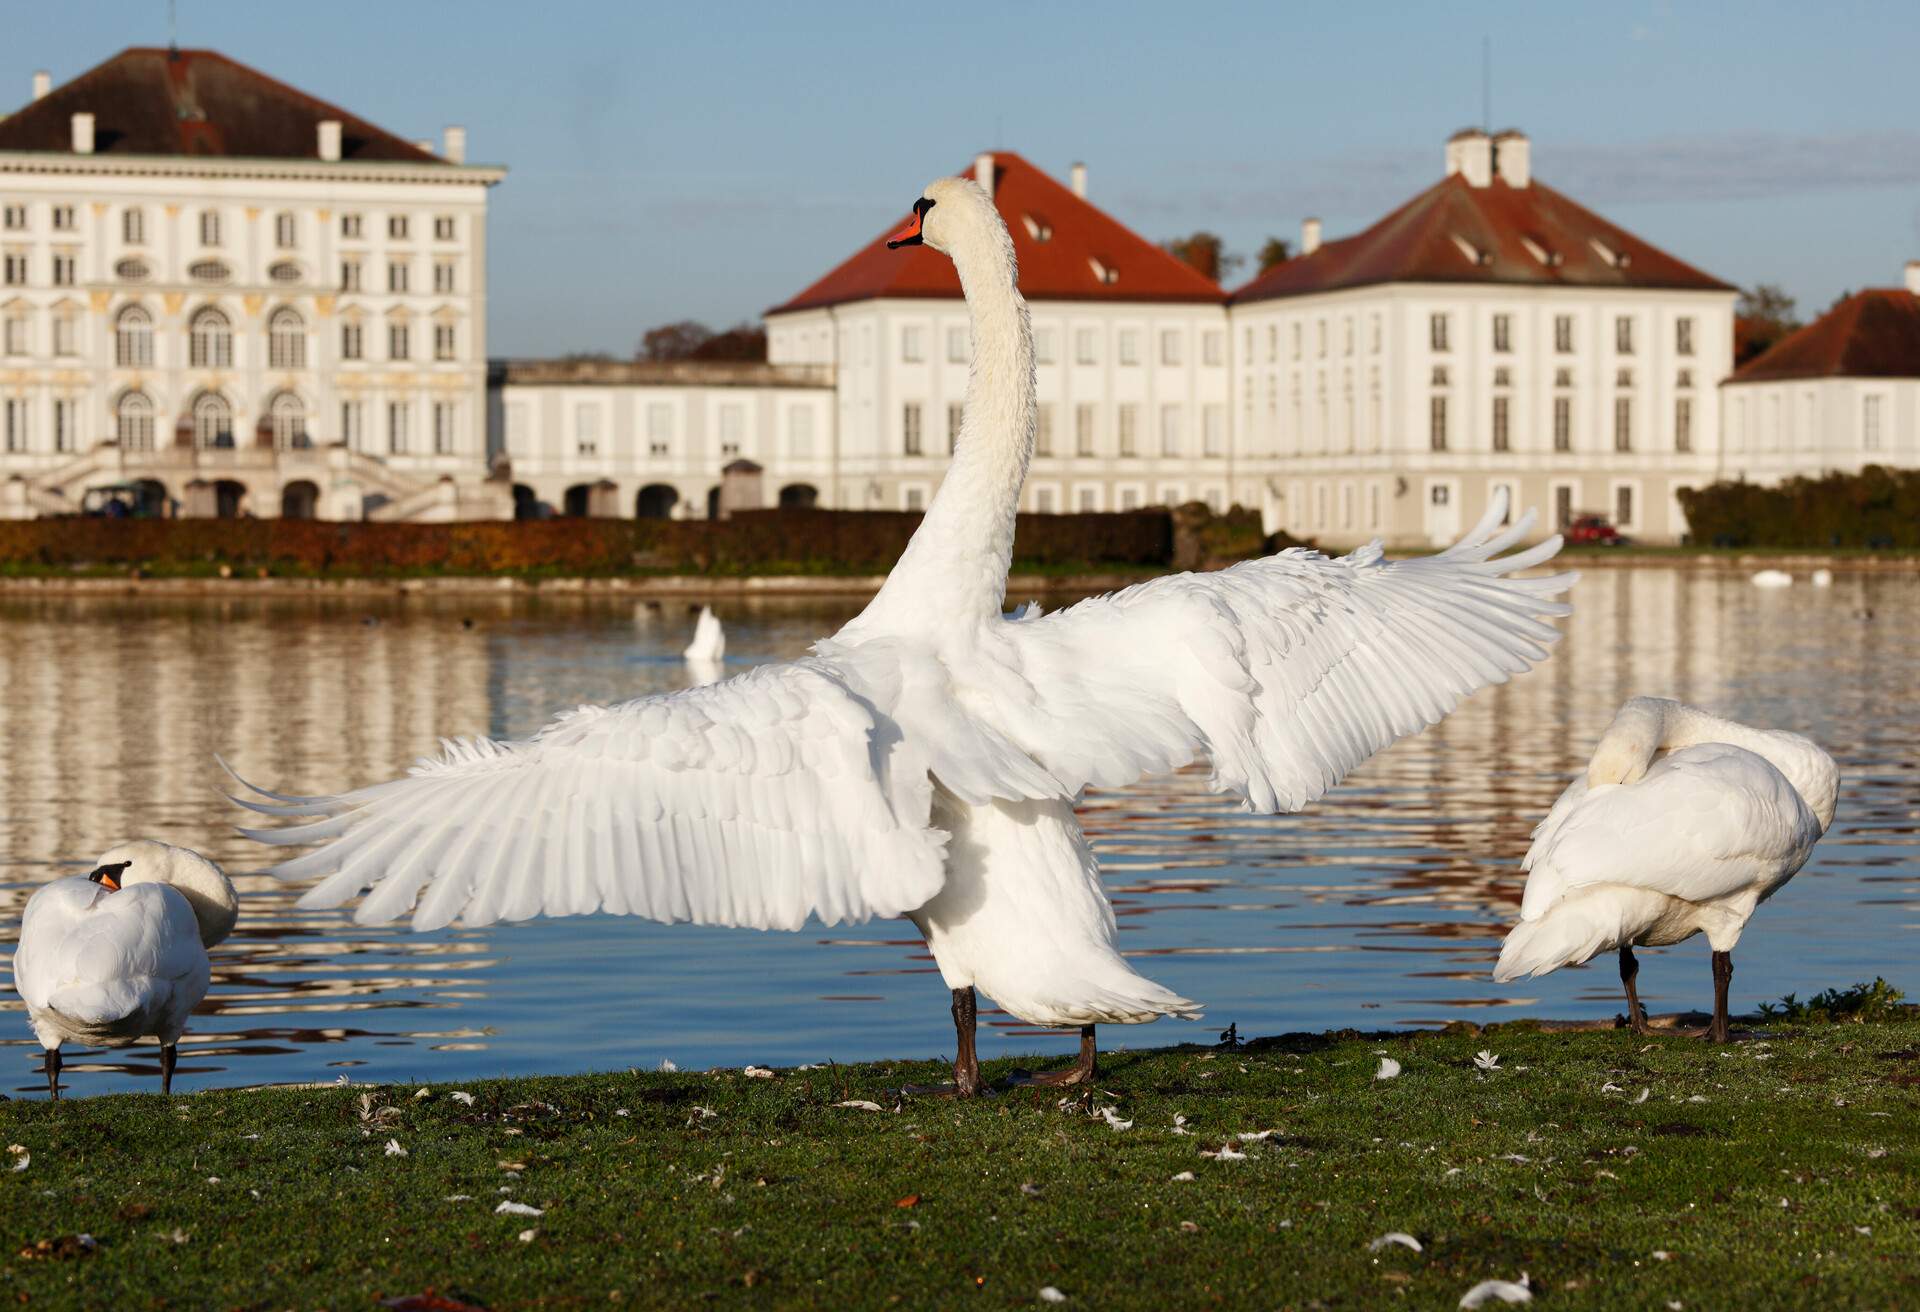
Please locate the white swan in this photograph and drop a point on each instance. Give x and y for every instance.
(120, 954)
(924, 761)
(1682, 824)
(1822, 578)
(1772, 578)
(709, 643)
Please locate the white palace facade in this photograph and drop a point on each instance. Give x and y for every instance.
(228, 298)
(221, 296)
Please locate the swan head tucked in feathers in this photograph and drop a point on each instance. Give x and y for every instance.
(956, 217)
(144, 861)
(1627, 748)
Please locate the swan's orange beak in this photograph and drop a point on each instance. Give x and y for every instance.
(108, 877)
(910, 234)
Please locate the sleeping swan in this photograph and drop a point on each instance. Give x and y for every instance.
(111, 957)
(925, 760)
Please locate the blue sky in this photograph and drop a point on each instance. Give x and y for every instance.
(693, 161)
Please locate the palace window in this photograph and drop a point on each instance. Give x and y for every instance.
(1213, 430)
(209, 227)
(1683, 335)
(397, 227)
(1683, 423)
(133, 339)
(443, 341)
(350, 225)
(397, 344)
(1437, 332)
(286, 340)
(1562, 423)
(1169, 430)
(1043, 430)
(133, 226)
(396, 275)
(288, 415)
(397, 414)
(1503, 332)
(956, 346)
(1129, 426)
(349, 275)
(1437, 422)
(352, 340)
(63, 218)
(443, 227)
(1563, 333)
(64, 412)
(1129, 346)
(286, 230)
(210, 341)
(1623, 423)
(66, 331)
(910, 428)
(1083, 430)
(15, 271)
(911, 351)
(1870, 423)
(443, 417)
(1500, 437)
(1623, 335)
(212, 422)
(15, 218)
(18, 414)
(1169, 346)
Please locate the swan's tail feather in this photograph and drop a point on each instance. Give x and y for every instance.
(1571, 932)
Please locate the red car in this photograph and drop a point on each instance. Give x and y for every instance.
(1593, 531)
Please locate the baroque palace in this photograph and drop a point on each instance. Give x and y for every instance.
(223, 296)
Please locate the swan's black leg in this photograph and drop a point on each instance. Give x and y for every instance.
(53, 1073)
(169, 1054)
(1721, 1030)
(966, 1061)
(1636, 1014)
(1081, 1072)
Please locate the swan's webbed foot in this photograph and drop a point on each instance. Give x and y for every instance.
(966, 1061)
(169, 1057)
(53, 1073)
(1721, 1030)
(1636, 1014)
(1082, 1071)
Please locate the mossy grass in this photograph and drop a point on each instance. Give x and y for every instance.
(1615, 1171)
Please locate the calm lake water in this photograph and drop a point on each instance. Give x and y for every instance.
(1382, 906)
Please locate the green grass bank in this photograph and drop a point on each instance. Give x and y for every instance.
(1615, 1171)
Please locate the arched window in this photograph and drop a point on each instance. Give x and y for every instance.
(212, 421)
(286, 340)
(288, 414)
(133, 338)
(210, 341)
(133, 421)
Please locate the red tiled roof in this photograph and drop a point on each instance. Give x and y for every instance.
(1421, 242)
(1871, 334)
(1056, 269)
(148, 101)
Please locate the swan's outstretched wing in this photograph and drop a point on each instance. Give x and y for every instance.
(1706, 822)
(1288, 672)
(756, 802)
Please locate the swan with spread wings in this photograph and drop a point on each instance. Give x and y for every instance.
(924, 761)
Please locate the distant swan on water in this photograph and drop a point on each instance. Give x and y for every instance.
(924, 761)
(111, 957)
(709, 638)
(1772, 578)
(1682, 824)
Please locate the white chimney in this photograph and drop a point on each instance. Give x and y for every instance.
(1913, 276)
(983, 171)
(330, 139)
(1470, 154)
(456, 149)
(1513, 157)
(1080, 180)
(42, 82)
(83, 134)
(1309, 236)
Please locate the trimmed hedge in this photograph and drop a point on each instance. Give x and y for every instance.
(755, 542)
(1877, 508)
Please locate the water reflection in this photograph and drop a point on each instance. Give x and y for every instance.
(1383, 905)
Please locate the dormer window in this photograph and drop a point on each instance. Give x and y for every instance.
(1037, 228)
(1616, 259)
(1102, 272)
(1549, 258)
(1473, 253)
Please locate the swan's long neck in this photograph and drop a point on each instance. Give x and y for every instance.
(1647, 725)
(955, 568)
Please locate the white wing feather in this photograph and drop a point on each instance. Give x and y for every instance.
(1705, 822)
(1288, 671)
(759, 802)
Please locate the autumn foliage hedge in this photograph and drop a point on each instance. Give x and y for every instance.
(756, 542)
(1876, 508)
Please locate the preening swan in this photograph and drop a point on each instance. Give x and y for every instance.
(122, 953)
(1682, 825)
(924, 761)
